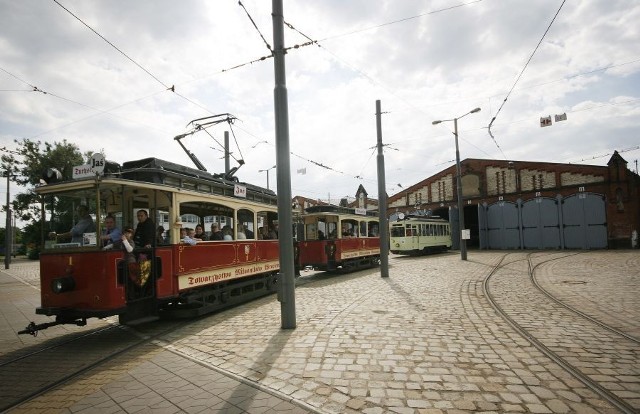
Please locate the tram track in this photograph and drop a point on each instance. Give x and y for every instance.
(570, 338)
(46, 369)
(534, 280)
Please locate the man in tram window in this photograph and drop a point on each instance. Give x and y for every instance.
(110, 234)
(145, 235)
(85, 224)
(216, 234)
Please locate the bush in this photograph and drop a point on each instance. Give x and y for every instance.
(33, 254)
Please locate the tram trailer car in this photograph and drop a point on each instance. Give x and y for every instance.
(337, 238)
(79, 279)
(415, 235)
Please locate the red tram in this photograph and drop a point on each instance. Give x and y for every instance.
(79, 279)
(338, 238)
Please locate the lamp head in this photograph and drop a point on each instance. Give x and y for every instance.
(473, 111)
(435, 122)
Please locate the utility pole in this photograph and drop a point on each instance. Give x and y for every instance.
(383, 230)
(7, 229)
(287, 282)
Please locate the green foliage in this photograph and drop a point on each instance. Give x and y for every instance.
(26, 166)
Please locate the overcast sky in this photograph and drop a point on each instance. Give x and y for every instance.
(425, 60)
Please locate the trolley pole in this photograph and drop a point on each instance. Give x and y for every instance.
(382, 201)
(227, 165)
(287, 284)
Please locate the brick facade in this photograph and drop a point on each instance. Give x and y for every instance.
(490, 181)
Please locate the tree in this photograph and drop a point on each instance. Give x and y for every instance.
(26, 166)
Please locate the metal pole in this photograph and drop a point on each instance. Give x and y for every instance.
(268, 178)
(463, 242)
(7, 229)
(227, 165)
(383, 229)
(286, 286)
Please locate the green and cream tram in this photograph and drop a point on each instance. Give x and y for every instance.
(413, 235)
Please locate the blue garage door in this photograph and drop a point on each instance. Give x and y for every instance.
(541, 224)
(585, 221)
(503, 230)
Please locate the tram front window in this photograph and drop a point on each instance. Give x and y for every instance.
(71, 219)
(397, 231)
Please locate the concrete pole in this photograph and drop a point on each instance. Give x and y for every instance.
(286, 285)
(382, 201)
(463, 242)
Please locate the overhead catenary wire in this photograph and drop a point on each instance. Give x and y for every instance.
(520, 75)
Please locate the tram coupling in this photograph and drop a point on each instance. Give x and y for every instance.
(32, 328)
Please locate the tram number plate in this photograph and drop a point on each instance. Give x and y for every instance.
(240, 191)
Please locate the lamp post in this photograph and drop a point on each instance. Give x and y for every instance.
(463, 242)
(267, 171)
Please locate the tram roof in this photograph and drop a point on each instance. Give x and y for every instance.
(337, 210)
(157, 171)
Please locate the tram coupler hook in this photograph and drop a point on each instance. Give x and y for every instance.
(31, 329)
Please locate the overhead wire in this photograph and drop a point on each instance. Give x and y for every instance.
(520, 76)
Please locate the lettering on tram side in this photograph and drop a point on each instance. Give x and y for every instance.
(359, 253)
(228, 273)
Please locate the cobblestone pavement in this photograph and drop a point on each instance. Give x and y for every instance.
(424, 340)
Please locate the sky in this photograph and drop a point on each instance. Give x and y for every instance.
(100, 74)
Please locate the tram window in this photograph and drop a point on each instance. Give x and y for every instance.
(373, 229)
(265, 220)
(349, 228)
(332, 229)
(245, 224)
(397, 231)
(322, 229)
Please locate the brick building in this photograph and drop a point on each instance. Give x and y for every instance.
(534, 205)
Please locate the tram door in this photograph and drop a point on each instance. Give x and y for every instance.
(140, 266)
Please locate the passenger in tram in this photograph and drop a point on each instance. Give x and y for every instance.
(241, 235)
(160, 237)
(321, 235)
(192, 233)
(127, 243)
(145, 235)
(185, 238)
(110, 234)
(84, 225)
(216, 234)
(227, 233)
(273, 231)
(248, 232)
(199, 232)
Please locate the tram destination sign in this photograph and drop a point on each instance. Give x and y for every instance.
(95, 167)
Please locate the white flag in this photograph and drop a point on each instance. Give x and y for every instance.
(545, 121)
(302, 171)
(561, 117)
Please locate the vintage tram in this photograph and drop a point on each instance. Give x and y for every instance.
(413, 235)
(337, 238)
(80, 279)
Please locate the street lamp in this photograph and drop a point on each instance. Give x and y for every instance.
(267, 171)
(463, 242)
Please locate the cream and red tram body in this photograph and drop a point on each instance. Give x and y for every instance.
(414, 235)
(80, 279)
(335, 237)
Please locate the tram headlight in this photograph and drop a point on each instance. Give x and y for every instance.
(63, 284)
